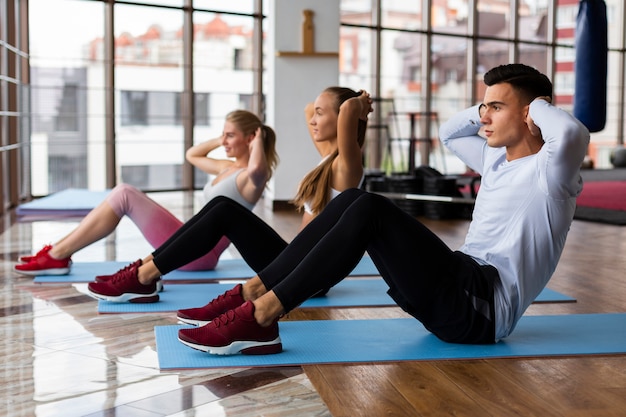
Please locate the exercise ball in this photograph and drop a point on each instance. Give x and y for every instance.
(618, 157)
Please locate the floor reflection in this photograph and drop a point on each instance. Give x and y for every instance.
(62, 358)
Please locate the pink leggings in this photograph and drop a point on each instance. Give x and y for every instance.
(156, 223)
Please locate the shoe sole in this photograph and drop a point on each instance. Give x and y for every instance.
(126, 297)
(243, 347)
(193, 322)
(51, 271)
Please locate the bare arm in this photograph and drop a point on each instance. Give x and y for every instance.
(197, 156)
(349, 164)
(306, 219)
(251, 182)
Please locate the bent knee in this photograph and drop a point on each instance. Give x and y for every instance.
(120, 196)
(123, 189)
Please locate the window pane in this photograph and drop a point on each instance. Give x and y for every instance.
(356, 71)
(401, 14)
(223, 73)
(176, 3)
(534, 55)
(565, 56)
(614, 14)
(149, 82)
(134, 108)
(451, 17)
(357, 12)
(400, 81)
(356, 58)
(238, 6)
(490, 54)
(202, 109)
(67, 122)
(450, 93)
(494, 19)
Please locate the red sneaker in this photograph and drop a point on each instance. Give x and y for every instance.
(27, 258)
(43, 264)
(200, 316)
(137, 263)
(235, 331)
(124, 286)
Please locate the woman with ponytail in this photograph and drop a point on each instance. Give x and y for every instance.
(336, 121)
(341, 163)
(251, 150)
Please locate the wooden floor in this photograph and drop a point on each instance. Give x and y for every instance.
(61, 358)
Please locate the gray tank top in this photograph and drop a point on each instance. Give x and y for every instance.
(228, 188)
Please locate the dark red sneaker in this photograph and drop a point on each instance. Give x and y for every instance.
(235, 331)
(43, 264)
(200, 316)
(137, 264)
(124, 286)
(105, 278)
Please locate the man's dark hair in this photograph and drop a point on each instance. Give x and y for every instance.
(529, 82)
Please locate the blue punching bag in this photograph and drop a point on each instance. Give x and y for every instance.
(591, 64)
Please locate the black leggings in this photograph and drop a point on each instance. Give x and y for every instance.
(447, 291)
(257, 242)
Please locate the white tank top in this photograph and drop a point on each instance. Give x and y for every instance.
(333, 193)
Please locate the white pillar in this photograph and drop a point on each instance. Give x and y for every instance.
(294, 79)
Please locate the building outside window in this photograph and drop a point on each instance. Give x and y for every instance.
(418, 65)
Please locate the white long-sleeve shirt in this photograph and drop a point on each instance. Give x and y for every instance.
(524, 208)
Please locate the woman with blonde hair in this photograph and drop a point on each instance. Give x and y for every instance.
(250, 147)
(336, 121)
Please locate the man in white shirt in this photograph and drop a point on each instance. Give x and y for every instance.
(528, 153)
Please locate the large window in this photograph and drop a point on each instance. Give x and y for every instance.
(432, 62)
(114, 103)
(78, 87)
(66, 96)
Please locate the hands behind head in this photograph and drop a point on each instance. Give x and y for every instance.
(259, 135)
(366, 104)
(534, 129)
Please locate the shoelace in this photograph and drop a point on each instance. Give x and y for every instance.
(221, 298)
(129, 267)
(225, 319)
(122, 274)
(45, 249)
(40, 254)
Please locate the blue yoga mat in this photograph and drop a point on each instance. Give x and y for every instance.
(226, 269)
(351, 292)
(72, 201)
(357, 341)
